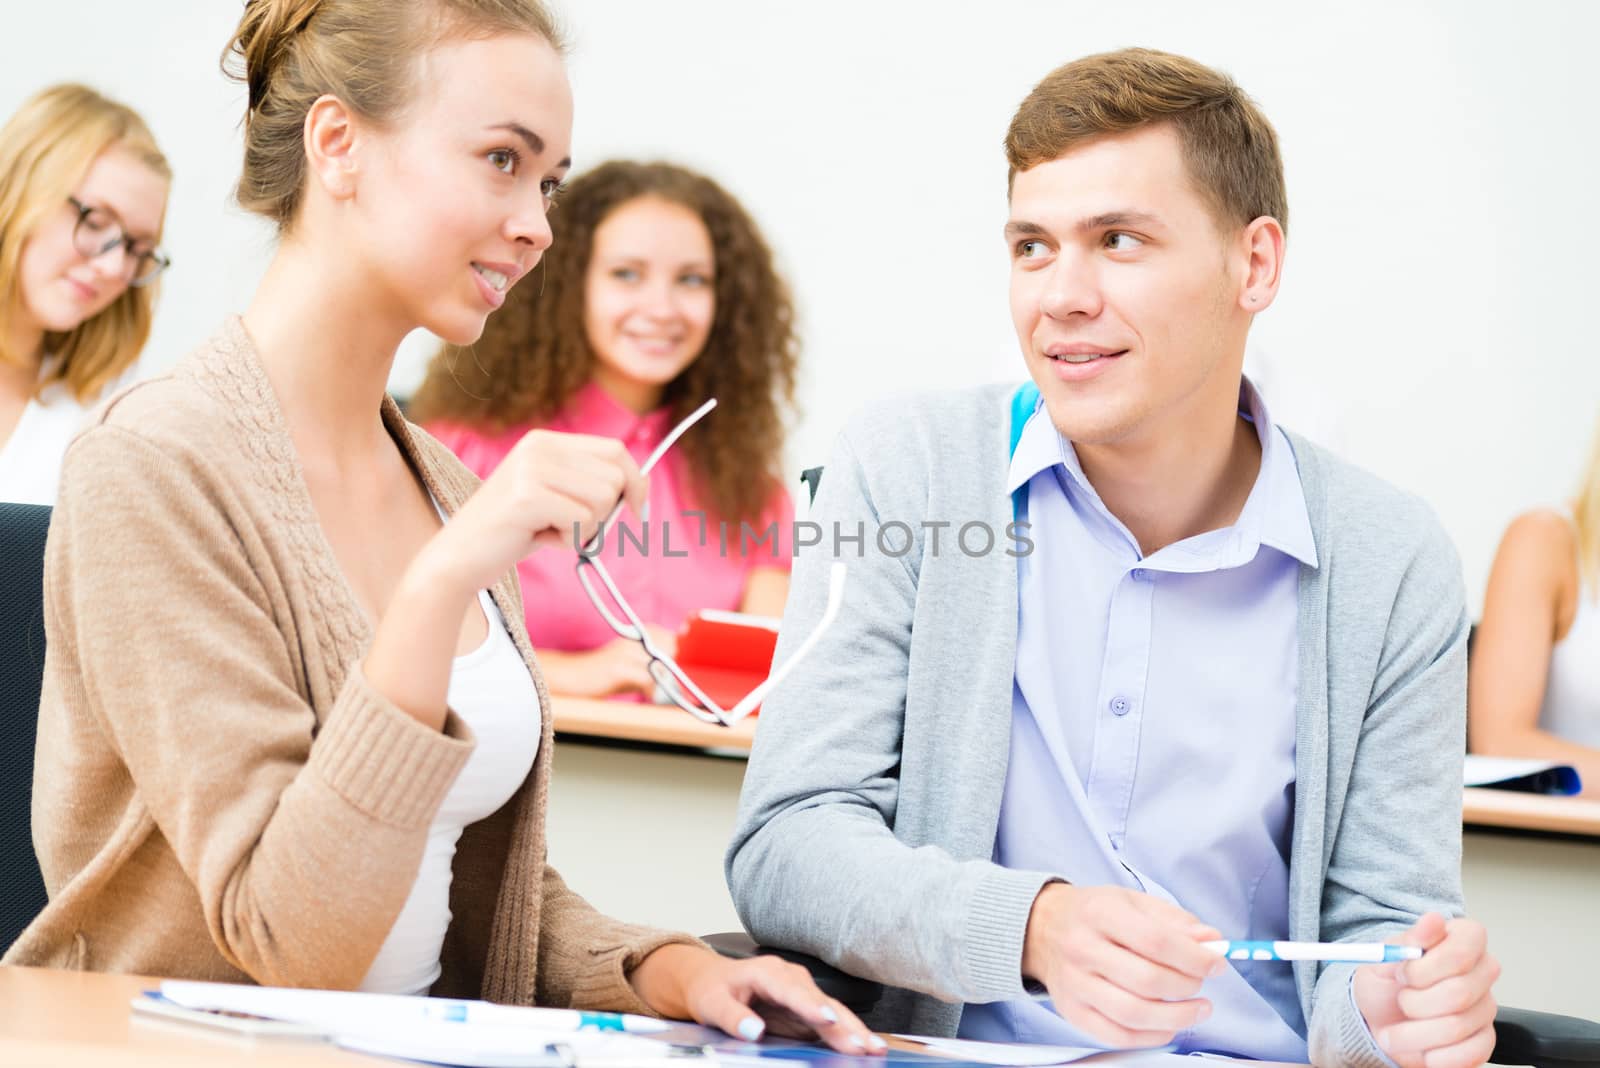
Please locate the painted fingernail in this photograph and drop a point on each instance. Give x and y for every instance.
(827, 1013)
(750, 1028)
(876, 1043)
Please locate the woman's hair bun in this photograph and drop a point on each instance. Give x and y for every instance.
(262, 40)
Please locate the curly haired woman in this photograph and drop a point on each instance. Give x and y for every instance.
(658, 292)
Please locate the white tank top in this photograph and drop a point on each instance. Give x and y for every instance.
(1571, 706)
(30, 458)
(491, 690)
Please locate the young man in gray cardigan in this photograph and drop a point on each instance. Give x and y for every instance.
(1210, 685)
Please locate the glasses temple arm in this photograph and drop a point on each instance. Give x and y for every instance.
(836, 577)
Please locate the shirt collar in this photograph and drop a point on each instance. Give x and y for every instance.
(1274, 514)
(1040, 447)
(594, 411)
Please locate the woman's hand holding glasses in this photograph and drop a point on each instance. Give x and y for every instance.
(550, 486)
(551, 489)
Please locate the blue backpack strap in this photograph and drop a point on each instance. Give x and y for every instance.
(1023, 402)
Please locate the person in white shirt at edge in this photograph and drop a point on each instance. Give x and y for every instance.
(83, 196)
(1220, 692)
(1534, 686)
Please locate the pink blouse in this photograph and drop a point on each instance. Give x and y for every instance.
(668, 568)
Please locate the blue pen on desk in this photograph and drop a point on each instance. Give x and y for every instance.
(1348, 952)
(555, 1019)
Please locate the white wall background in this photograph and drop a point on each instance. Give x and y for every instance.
(1435, 319)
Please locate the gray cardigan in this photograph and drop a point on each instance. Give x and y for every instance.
(869, 810)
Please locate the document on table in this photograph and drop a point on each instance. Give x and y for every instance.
(470, 1034)
(1026, 1056)
(1528, 776)
(1016, 1055)
(467, 1046)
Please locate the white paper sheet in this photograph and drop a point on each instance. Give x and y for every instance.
(393, 1025)
(1484, 770)
(1014, 1055)
(467, 1046)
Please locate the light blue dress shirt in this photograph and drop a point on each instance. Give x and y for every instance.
(1153, 725)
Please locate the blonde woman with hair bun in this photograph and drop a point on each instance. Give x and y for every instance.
(83, 197)
(325, 760)
(1534, 684)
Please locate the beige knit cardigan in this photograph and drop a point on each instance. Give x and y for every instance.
(219, 793)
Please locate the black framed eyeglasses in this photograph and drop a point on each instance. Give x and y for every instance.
(672, 681)
(98, 231)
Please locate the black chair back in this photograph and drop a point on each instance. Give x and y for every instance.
(812, 477)
(22, 533)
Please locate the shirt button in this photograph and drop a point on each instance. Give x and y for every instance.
(1140, 575)
(1120, 706)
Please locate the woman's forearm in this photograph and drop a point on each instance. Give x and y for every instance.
(414, 646)
(563, 673)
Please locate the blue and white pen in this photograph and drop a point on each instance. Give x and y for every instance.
(553, 1019)
(1351, 952)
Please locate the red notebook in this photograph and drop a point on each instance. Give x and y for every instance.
(727, 654)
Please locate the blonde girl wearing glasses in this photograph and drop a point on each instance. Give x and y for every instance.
(659, 293)
(1534, 683)
(83, 194)
(325, 761)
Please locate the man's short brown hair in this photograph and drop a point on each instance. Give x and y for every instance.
(1229, 146)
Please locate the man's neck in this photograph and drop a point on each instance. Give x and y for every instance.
(1177, 483)
(327, 353)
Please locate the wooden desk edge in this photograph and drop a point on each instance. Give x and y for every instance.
(657, 724)
(1530, 812)
(665, 725)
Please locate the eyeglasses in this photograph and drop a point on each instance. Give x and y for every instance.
(671, 679)
(98, 232)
